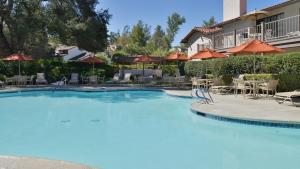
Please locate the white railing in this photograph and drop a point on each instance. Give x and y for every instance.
(283, 28)
(276, 30)
(225, 40)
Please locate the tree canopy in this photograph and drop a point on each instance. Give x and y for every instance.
(31, 26)
(139, 40)
(211, 22)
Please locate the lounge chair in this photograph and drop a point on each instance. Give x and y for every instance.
(115, 79)
(74, 78)
(127, 78)
(1, 84)
(40, 79)
(293, 97)
(93, 79)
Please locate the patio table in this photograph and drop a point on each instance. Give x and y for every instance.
(254, 84)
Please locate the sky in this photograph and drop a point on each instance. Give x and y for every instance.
(156, 12)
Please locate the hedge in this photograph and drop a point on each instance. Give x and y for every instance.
(286, 67)
(54, 69)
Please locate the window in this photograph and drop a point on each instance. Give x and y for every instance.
(198, 47)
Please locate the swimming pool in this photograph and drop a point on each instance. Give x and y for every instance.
(136, 130)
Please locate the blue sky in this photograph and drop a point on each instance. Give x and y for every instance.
(155, 12)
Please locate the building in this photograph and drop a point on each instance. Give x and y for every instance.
(71, 53)
(278, 25)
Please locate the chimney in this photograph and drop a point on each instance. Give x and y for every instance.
(234, 8)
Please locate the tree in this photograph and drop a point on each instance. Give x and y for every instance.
(158, 39)
(140, 34)
(211, 22)
(5, 10)
(174, 22)
(76, 22)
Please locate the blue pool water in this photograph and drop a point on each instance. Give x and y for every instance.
(137, 130)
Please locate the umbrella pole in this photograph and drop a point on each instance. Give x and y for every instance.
(143, 69)
(93, 68)
(19, 68)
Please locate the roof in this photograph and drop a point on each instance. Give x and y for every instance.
(218, 25)
(200, 30)
(65, 47)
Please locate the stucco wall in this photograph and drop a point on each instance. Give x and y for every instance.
(196, 39)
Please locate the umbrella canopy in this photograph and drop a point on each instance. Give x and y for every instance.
(91, 59)
(144, 59)
(255, 47)
(18, 57)
(254, 14)
(208, 54)
(177, 57)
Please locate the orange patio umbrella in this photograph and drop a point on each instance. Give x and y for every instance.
(255, 47)
(177, 57)
(208, 54)
(144, 59)
(92, 59)
(18, 57)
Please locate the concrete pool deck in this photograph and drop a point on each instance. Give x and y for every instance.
(240, 108)
(7, 162)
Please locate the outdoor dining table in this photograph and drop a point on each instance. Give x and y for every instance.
(255, 86)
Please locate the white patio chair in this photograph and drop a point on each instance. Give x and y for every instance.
(74, 78)
(127, 78)
(40, 78)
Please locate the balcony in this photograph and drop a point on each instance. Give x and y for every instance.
(276, 31)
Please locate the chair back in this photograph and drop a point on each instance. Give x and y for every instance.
(93, 78)
(116, 77)
(238, 83)
(127, 77)
(40, 76)
(272, 84)
(74, 77)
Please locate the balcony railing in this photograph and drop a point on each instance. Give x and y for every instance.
(271, 31)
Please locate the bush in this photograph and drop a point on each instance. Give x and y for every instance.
(54, 68)
(262, 76)
(285, 67)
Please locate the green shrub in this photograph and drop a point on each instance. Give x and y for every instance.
(169, 69)
(262, 76)
(54, 68)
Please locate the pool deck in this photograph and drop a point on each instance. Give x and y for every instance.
(8, 162)
(240, 108)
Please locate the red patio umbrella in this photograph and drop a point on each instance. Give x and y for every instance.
(208, 54)
(18, 57)
(255, 47)
(144, 59)
(92, 59)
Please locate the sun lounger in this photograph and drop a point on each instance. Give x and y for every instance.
(1, 83)
(74, 78)
(293, 97)
(127, 78)
(40, 79)
(115, 79)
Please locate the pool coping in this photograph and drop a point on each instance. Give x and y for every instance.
(14, 162)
